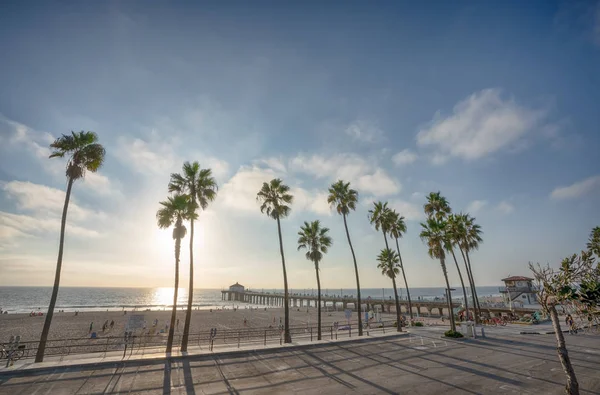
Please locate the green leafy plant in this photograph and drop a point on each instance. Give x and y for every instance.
(453, 334)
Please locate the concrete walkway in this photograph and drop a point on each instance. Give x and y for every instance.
(417, 363)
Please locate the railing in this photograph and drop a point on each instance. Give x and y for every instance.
(224, 338)
(516, 289)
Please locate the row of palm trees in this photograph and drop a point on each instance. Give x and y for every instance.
(195, 188)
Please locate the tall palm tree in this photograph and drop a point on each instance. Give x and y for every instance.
(388, 263)
(437, 206)
(315, 240)
(471, 240)
(85, 154)
(397, 229)
(174, 211)
(343, 199)
(433, 233)
(459, 234)
(379, 216)
(201, 187)
(275, 199)
(453, 229)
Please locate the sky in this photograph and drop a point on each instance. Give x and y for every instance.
(496, 105)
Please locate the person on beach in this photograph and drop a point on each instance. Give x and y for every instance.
(91, 326)
(177, 323)
(112, 324)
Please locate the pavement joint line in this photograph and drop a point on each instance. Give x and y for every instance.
(131, 360)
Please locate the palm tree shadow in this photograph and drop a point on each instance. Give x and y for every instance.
(187, 377)
(167, 378)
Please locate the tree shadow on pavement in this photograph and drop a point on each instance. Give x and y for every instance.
(167, 378)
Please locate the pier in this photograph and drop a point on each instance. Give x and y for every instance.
(421, 307)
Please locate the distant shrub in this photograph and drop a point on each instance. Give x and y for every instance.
(418, 323)
(453, 334)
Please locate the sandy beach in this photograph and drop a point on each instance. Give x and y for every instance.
(68, 325)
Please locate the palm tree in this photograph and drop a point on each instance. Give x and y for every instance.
(453, 230)
(315, 240)
(437, 206)
(593, 244)
(397, 229)
(388, 263)
(85, 154)
(459, 237)
(433, 233)
(275, 199)
(344, 199)
(201, 188)
(174, 210)
(379, 216)
(471, 240)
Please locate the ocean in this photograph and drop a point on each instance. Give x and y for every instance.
(27, 299)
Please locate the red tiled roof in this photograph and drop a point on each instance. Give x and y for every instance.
(517, 278)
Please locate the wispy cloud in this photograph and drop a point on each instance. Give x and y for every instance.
(37, 144)
(364, 131)
(505, 207)
(364, 175)
(404, 157)
(476, 205)
(481, 124)
(410, 211)
(240, 191)
(577, 189)
(42, 199)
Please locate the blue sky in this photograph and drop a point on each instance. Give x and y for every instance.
(495, 105)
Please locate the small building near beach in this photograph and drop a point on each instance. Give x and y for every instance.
(237, 287)
(519, 291)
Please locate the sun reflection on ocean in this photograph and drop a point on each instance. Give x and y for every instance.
(164, 296)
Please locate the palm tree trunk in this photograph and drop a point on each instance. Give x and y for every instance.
(448, 295)
(188, 314)
(39, 357)
(462, 283)
(286, 335)
(399, 326)
(572, 387)
(174, 311)
(385, 239)
(359, 307)
(472, 284)
(476, 302)
(405, 282)
(319, 301)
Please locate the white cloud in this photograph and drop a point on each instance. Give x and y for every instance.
(476, 205)
(44, 200)
(313, 201)
(276, 164)
(505, 207)
(404, 157)
(379, 183)
(37, 144)
(577, 189)
(480, 125)
(364, 131)
(240, 191)
(25, 224)
(146, 157)
(410, 211)
(364, 176)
